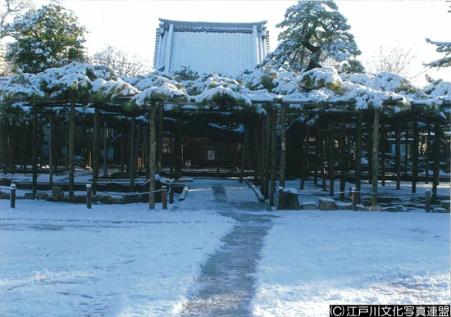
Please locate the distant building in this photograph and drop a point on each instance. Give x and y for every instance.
(205, 47)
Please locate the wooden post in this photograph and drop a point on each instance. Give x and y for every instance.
(318, 156)
(281, 202)
(123, 150)
(406, 149)
(303, 157)
(131, 167)
(105, 149)
(159, 139)
(428, 152)
(383, 133)
(244, 152)
(164, 201)
(267, 154)
(375, 160)
(152, 153)
(398, 153)
(12, 196)
(358, 157)
(88, 196)
(50, 149)
(71, 148)
(415, 148)
(342, 150)
(370, 151)
(354, 197)
(273, 166)
(95, 151)
(330, 160)
(428, 197)
(34, 145)
(436, 156)
(283, 145)
(171, 193)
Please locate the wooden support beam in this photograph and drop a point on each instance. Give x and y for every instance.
(375, 158)
(436, 158)
(415, 149)
(406, 149)
(50, 148)
(132, 168)
(71, 148)
(283, 145)
(152, 152)
(398, 152)
(358, 157)
(273, 155)
(342, 151)
(105, 149)
(244, 152)
(428, 151)
(383, 133)
(330, 159)
(34, 148)
(95, 151)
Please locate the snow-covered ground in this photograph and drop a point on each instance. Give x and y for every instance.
(64, 260)
(312, 259)
(61, 259)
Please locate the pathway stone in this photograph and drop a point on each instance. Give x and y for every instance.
(226, 284)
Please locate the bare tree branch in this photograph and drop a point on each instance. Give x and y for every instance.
(120, 62)
(396, 60)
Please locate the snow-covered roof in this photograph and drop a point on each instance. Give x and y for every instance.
(223, 27)
(86, 83)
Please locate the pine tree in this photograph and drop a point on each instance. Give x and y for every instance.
(442, 47)
(312, 33)
(47, 37)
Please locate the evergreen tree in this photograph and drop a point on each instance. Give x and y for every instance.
(312, 33)
(442, 47)
(47, 37)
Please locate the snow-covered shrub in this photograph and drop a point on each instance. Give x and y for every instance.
(325, 77)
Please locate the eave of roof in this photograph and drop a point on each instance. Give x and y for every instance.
(199, 26)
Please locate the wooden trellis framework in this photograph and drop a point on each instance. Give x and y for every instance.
(264, 139)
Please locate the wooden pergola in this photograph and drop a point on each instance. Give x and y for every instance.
(333, 124)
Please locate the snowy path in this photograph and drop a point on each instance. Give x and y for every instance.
(64, 260)
(226, 284)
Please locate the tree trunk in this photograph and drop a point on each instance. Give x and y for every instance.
(375, 160)
(283, 145)
(358, 157)
(71, 148)
(152, 153)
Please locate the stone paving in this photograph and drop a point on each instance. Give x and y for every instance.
(226, 284)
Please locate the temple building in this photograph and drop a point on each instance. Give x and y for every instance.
(205, 47)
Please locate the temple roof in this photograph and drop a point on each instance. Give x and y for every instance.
(226, 27)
